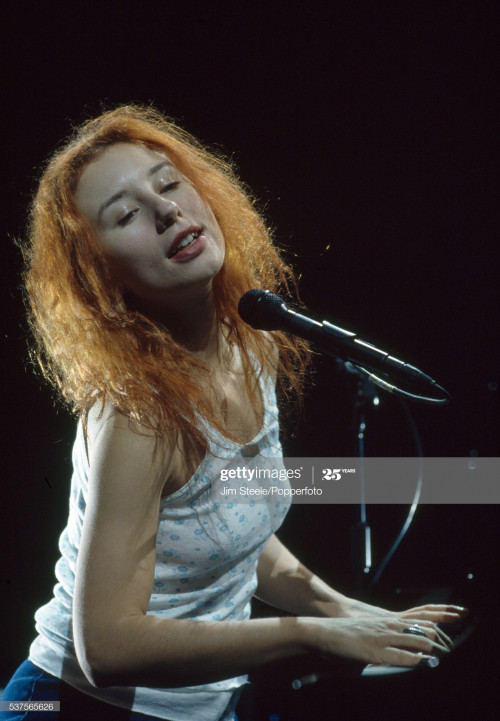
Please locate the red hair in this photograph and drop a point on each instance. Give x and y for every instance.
(90, 346)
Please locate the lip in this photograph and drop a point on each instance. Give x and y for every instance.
(192, 250)
(180, 237)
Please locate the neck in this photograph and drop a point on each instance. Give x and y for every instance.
(192, 323)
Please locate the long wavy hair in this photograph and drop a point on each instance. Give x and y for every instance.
(89, 344)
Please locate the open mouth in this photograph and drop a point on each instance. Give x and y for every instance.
(185, 242)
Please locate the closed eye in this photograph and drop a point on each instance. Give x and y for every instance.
(127, 218)
(170, 186)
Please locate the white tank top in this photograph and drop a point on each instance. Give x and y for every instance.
(206, 560)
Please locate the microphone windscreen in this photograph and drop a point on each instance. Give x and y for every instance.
(261, 309)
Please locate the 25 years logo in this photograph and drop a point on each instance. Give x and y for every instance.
(335, 474)
(331, 474)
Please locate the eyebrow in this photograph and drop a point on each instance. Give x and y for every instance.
(121, 193)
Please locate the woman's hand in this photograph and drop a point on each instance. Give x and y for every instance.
(340, 626)
(380, 639)
(437, 613)
(375, 635)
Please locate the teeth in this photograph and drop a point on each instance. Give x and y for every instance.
(187, 240)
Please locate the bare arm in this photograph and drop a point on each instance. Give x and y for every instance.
(286, 583)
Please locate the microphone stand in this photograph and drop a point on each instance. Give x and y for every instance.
(361, 547)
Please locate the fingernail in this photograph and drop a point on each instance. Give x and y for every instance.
(429, 662)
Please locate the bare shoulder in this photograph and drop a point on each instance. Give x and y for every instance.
(105, 420)
(125, 458)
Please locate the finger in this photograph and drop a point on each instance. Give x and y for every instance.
(440, 613)
(438, 607)
(422, 643)
(431, 616)
(445, 638)
(400, 657)
(433, 632)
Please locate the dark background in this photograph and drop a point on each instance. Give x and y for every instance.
(369, 133)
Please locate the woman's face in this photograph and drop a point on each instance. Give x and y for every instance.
(162, 241)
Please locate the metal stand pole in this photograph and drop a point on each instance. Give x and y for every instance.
(361, 548)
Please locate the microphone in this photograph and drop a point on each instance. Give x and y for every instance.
(264, 310)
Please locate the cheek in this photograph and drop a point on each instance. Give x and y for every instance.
(123, 259)
(197, 205)
(199, 208)
(127, 246)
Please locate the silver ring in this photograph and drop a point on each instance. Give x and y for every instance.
(415, 630)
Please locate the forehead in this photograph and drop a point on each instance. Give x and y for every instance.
(115, 169)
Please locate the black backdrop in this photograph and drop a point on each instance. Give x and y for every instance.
(368, 131)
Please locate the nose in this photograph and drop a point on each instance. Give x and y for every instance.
(167, 212)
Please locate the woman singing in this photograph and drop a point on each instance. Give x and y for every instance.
(141, 243)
